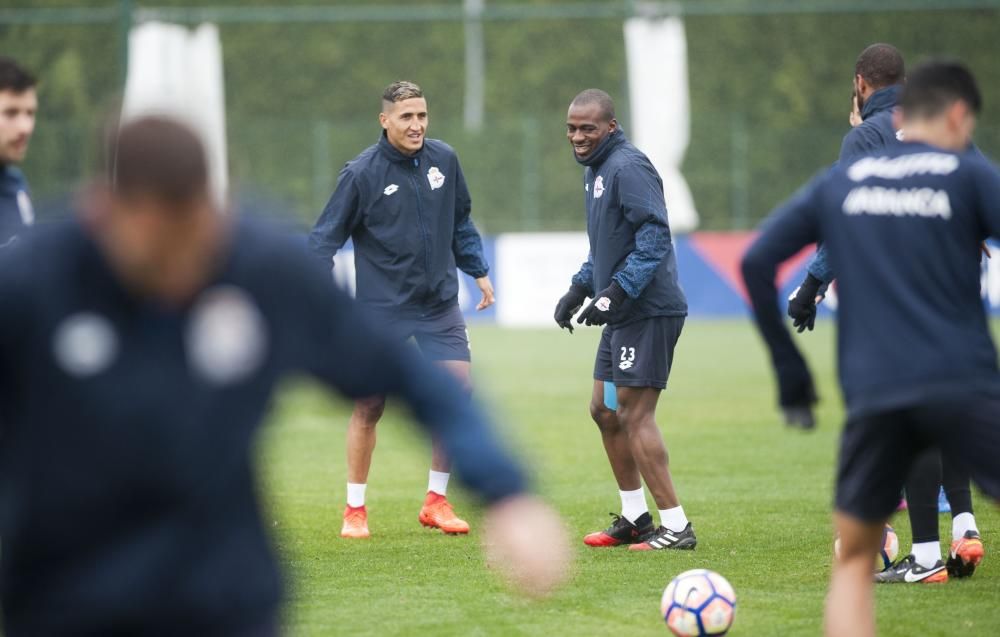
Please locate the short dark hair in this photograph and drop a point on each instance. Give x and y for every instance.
(937, 84)
(160, 157)
(14, 77)
(881, 65)
(401, 90)
(599, 97)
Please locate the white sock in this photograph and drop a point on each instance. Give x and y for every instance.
(437, 481)
(961, 523)
(927, 554)
(356, 494)
(674, 519)
(633, 504)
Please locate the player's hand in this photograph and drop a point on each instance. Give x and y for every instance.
(985, 249)
(527, 543)
(802, 304)
(605, 307)
(855, 117)
(568, 305)
(802, 312)
(486, 287)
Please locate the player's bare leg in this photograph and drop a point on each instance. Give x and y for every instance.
(637, 415)
(850, 605)
(360, 445)
(616, 442)
(635, 521)
(437, 511)
(361, 437)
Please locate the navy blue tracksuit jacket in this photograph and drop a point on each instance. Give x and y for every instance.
(128, 499)
(902, 230)
(409, 218)
(16, 212)
(873, 135)
(628, 231)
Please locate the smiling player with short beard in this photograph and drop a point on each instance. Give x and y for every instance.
(405, 204)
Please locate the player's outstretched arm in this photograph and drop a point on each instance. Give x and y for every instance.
(328, 335)
(791, 227)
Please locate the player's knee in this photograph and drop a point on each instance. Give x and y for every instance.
(604, 417)
(369, 410)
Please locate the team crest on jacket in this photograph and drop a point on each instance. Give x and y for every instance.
(598, 187)
(226, 336)
(85, 344)
(435, 177)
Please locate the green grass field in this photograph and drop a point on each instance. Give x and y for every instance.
(758, 494)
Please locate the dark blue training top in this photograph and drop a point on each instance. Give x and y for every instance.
(409, 218)
(902, 231)
(628, 231)
(127, 489)
(873, 135)
(16, 212)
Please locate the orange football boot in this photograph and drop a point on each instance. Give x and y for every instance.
(355, 523)
(965, 555)
(438, 514)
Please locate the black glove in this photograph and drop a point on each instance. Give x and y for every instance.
(568, 306)
(802, 304)
(605, 307)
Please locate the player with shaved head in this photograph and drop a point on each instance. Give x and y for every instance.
(631, 277)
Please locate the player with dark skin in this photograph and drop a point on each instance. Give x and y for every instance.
(630, 435)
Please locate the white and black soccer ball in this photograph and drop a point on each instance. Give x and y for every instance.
(698, 602)
(888, 552)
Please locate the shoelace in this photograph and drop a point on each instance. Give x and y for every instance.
(443, 509)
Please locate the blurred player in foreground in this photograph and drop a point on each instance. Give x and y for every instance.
(918, 367)
(405, 203)
(631, 275)
(140, 347)
(18, 104)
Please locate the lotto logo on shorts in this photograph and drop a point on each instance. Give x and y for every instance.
(627, 358)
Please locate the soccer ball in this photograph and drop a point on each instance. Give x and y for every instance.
(698, 602)
(886, 555)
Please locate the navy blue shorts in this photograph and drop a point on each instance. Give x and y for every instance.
(877, 450)
(440, 335)
(638, 354)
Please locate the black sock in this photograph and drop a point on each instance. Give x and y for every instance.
(956, 486)
(922, 496)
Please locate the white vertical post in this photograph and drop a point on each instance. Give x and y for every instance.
(177, 73)
(656, 51)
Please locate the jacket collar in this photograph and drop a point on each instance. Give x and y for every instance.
(392, 153)
(603, 149)
(881, 100)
